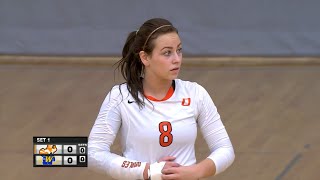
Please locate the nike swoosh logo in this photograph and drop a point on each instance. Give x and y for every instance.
(130, 101)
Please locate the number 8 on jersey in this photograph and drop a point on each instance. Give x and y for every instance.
(166, 137)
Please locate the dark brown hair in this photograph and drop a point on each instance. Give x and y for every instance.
(130, 65)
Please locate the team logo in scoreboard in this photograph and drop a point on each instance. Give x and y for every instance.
(60, 151)
(47, 155)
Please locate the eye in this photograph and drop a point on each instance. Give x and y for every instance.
(179, 50)
(167, 53)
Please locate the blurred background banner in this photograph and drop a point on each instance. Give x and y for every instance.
(207, 28)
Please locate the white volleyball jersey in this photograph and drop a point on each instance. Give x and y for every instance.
(161, 128)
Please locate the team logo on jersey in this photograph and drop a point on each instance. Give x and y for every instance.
(186, 101)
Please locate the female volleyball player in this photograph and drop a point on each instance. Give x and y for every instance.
(156, 114)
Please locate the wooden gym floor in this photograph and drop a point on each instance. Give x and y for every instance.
(271, 114)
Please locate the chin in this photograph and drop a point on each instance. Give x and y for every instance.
(173, 78)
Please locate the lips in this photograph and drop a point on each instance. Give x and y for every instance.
(174, 69)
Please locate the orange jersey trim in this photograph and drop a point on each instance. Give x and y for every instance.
(168, 95)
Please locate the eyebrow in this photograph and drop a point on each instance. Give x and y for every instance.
(170, 47)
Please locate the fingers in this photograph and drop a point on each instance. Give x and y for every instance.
(168, 171)
(174, 164)
(169, 176)
(170, 164)
(167, 158)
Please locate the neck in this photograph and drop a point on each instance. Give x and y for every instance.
(156, 88)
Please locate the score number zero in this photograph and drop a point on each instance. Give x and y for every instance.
(72, 149)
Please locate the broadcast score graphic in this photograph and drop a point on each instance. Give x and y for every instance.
(60, 151)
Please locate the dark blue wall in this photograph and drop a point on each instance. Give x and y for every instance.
(207, 27)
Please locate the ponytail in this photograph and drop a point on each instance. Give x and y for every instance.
(128, 44)
(131, 68)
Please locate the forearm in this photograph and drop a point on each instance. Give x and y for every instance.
(205, 168)
(116, 166)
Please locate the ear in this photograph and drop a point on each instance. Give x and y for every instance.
(144, 58)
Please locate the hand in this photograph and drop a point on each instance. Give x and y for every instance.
(167, 158)
(169, 162)
(181, 172)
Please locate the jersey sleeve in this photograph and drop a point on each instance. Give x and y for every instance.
(102, 136)
(214, 132)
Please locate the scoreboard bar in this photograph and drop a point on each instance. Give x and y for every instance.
(60, 151)
(59, 140)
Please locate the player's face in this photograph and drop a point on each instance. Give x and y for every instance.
(165, 60)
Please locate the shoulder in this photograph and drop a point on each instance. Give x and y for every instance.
(190, 86)
(118, 91)
(119, 88)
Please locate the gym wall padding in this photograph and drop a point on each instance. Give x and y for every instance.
(207, 28)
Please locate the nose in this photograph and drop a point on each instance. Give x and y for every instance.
(177, 58)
